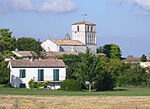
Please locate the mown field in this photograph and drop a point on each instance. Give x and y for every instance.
(119, 98)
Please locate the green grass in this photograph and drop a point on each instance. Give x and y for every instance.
(115, 92)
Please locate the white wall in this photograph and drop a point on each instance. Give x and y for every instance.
(49, 45)
(32, 73)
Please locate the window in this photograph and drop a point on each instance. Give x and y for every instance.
(40, 75)
(78, 28)
(22, 73)
(56, 75)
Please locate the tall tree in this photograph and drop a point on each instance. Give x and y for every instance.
(87, 68)
(5, 32)
(72, 62)
(28, 44)
(6, 41)
(112, 51)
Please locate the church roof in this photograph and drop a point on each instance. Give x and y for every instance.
(84, 22)
(68, 42)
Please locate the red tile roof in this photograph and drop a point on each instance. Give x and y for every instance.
(84, 22)
(68, 42)
(46, 63)
(132, 59)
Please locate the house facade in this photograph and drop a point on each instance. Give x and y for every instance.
(50, 70)
(83, 37)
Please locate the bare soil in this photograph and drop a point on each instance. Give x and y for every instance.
(74, 102)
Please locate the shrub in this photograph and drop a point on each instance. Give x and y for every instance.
(31, 84)
(70, 85)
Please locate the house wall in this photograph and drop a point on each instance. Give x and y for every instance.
(49, 45)
(70, 48)
(32, 73)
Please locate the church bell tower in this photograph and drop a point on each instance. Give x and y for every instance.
(86, 33)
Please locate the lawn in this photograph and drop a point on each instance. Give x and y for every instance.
(115, 92)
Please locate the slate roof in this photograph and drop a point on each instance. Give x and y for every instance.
(68, 42)
(46, 63)
(84, 22)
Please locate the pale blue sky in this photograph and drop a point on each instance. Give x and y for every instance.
(123, 22)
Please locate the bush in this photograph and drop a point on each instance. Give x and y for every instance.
(70, 85)
(106, 82)
(33, 84)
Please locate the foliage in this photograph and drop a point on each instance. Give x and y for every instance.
(87, 68)
(72, 64)
(4, 71)
(5, 32)
(100, 50)
(105, 80)
(6, 41)
(28, 44)
(33, 84)
(112, 51)
(70, 85)
(143, 58)
(137, 75)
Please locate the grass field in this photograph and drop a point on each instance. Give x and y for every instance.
(120, 98)
(115, 92)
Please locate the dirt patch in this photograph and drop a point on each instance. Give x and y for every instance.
(73, 102)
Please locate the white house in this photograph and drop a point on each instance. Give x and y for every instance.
(83, 37)
(51, 70)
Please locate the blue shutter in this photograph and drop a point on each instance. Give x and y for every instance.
(56, 75)
(40, 75)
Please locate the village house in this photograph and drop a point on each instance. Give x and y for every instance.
(50, 70)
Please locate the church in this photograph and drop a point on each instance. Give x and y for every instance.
(83, 37)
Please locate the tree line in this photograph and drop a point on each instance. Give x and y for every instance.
(98, 72)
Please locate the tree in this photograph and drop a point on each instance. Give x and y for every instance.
(105, 80)
(87, 69)
(28, 44)
(100, 50)
(72, 62)
(118, 68)
(6, 41)
(4, 71)
(136, 75)
(112, 51)
(143, 58)
(5, 32)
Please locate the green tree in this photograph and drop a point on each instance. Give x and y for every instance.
(112, 51)
(5, 32)
(118, 68)
(105, 80)
(6, 41)
(28, 44)
(100, 50)
(72, 62)
(4, 71)
(87, 68)
(136, 75)
(143, 58)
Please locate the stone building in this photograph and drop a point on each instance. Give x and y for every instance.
(83, 37)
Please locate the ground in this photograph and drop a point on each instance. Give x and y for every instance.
(74, 102)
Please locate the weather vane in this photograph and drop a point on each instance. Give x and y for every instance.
(84, 16)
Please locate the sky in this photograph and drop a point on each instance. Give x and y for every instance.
(122, 22)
